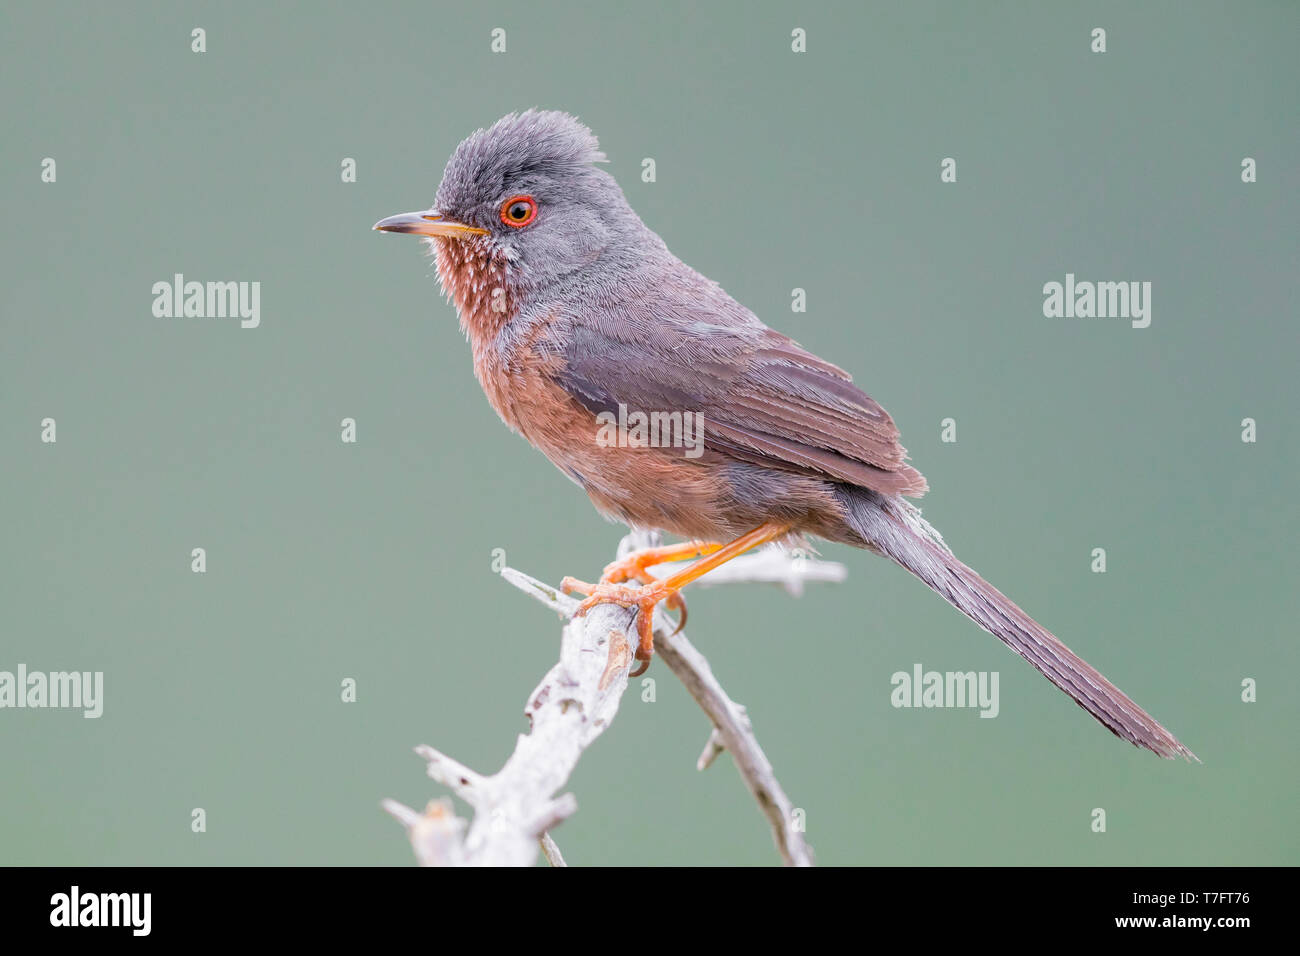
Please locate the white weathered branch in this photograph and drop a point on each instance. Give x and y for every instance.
(732, 731)
(551, 851)
(577, 699)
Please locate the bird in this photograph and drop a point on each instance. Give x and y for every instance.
(578, 315)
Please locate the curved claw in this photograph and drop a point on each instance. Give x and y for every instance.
(678, 604)
(611, 589)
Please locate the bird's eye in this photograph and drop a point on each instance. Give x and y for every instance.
(519, 211)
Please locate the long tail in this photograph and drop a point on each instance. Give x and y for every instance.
(891, 527)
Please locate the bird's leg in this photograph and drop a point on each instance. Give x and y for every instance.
(634, 567)
(645, 597)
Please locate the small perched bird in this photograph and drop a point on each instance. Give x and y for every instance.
(578, 315)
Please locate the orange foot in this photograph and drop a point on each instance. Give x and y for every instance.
(635, 567)
(643, 598)
(611, 589)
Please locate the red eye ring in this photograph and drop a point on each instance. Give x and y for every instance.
(519, 211)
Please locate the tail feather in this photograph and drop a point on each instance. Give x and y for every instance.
(893, 528)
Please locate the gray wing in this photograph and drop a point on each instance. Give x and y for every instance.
(764, 399)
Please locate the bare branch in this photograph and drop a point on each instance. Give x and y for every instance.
(515, 809)
(551, 851)
(732, 731)
(456, 777)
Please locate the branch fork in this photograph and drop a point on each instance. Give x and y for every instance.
(516, 808)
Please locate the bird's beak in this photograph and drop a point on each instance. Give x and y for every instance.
(428, 223)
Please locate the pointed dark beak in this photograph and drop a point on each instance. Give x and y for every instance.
(428, 223)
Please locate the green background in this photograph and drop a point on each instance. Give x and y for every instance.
(775, 171)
